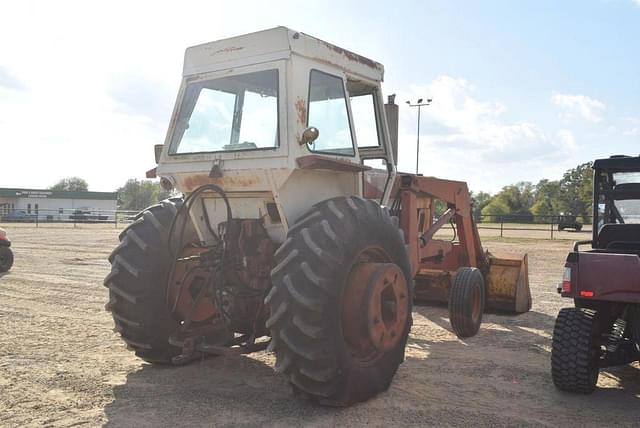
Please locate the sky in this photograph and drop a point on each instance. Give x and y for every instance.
(522, 90)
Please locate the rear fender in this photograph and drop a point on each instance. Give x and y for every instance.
(610, 277)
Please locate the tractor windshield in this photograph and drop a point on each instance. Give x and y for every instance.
(228, 114)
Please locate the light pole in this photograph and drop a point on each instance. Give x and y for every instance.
(419, 104)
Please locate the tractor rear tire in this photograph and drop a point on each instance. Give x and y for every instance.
(138, 282)
(312, 306)
(575, 350)
(466, 302)
(6, 258)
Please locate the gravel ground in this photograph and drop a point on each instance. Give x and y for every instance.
(61, 364)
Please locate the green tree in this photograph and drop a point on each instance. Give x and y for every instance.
(494, 210)
(545, 201)
(515, 199)
(139, 194)
(71, 184)
(575, 193)
(479, 201)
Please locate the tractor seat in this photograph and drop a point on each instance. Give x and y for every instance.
(619, 236)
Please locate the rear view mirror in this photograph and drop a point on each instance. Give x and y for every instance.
(309, 135)
(157, 151)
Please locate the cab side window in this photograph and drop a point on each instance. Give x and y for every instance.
(328, 112)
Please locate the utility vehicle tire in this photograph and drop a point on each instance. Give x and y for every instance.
(312, 305)
(6, 259)
(575, 350)
(138, 282)
(466, 302)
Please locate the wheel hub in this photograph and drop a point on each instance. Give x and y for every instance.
(375, 309)
(189, 280)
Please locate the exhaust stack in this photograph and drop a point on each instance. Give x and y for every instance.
(391, 111)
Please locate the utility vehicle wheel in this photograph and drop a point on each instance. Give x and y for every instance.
(341, 301)
(6, 259)
(575, 350)
(466, 302)
(138, 282)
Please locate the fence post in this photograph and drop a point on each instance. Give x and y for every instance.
(501, 225)
(115, 219)
(552, 228)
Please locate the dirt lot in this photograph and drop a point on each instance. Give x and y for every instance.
(61, 364)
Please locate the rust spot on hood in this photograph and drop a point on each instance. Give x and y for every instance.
(191, 183)
(301, 109)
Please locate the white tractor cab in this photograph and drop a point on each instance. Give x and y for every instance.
(294, 119)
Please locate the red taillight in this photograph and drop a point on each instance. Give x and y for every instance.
(566, 280)
(586, 294)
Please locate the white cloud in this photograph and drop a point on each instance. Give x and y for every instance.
(9, 81)
(631, 125)
(465, 138)
(566, 139)
(579, 105)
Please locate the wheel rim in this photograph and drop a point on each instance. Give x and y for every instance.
(375, 306)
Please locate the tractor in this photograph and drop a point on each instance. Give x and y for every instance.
(602, 329)
(6, 255)
(295, 232)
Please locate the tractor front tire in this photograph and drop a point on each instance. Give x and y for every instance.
(138, 282)
(466, 302)
(575, 350)
(6, 258)
(338, 255)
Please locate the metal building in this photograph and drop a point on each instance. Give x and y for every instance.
(54, 205)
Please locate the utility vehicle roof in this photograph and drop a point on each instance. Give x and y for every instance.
(269, 45)
(618, 163)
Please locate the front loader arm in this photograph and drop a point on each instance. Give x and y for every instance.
(416, 220)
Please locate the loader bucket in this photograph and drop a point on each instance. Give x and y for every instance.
(507, 284)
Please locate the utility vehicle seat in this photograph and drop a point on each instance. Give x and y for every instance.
(618, 236)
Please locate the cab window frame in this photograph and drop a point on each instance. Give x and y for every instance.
(219, 74)
(376, 113)
(349, 118)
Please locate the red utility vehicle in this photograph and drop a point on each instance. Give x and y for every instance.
(603, 329)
